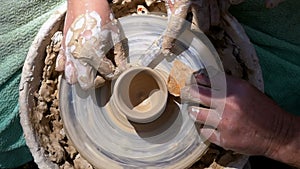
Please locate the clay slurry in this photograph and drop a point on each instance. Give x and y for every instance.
(144, 92)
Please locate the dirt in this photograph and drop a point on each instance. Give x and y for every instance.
(48, 124)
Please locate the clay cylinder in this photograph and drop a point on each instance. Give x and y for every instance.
(140, 93)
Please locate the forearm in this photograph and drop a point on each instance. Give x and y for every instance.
(286, 145)
(79, 7)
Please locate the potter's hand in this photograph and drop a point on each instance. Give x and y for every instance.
(206, 13)
(90, 32)
(251, 123)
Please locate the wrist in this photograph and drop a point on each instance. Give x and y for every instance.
(76, 8)
(285, 146)
(81, 7)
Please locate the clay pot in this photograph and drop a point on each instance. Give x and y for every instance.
(139, 113)
(141, 94)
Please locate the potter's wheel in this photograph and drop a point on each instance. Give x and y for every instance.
(108, 140)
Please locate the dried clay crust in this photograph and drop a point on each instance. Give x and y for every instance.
(179, 74)
(46, 116)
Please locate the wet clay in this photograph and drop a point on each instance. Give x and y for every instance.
(178, 77)
(140, 93)
(165, 146)
(46, 118)
(141, 90)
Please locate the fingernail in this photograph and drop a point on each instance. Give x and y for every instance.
(188, 93)
(70, 73)
(193, 113)
(201, 77)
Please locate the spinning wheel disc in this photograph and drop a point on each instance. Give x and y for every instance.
(108, 140)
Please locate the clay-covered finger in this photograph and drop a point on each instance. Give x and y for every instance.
(99, 81)
(121, 49)
(85, 74)
(170, 6)
(106, 68)
(208, 117)
(88, 43)
(196, 94)
(94, 55)
(176, 22)
(70, 72)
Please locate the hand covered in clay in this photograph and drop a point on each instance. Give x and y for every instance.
(205, 13)
(250, 123)
(90, 34)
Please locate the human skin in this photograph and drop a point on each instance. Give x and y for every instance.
(251, 123)
(206, 13)
(90, 31)
(76, 8)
